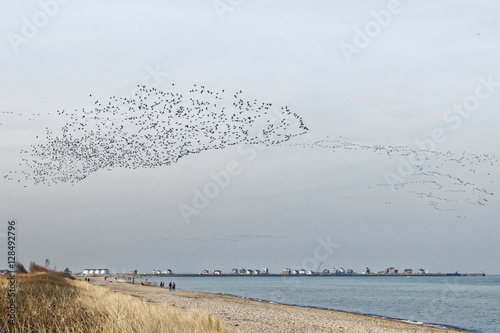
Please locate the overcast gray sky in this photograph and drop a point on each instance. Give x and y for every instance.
(412, 74)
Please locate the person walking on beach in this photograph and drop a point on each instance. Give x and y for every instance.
(173, 286)
(170, 286)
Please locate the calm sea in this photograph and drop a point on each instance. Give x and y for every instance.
(467, 303)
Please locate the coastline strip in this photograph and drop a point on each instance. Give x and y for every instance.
(246, 315)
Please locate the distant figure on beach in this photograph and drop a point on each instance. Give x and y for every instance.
(133, 280)
(170, 286)
(173, 286)
(88, 279)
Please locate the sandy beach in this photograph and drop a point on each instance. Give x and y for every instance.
(243, 315)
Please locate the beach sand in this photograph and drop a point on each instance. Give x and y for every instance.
(243, 315)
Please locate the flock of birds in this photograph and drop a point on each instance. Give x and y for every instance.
(153, 128)
(441, 180)
(156, 128)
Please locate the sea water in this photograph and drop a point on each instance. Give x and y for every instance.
(467, 303)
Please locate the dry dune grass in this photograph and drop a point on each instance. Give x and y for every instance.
(55, 302)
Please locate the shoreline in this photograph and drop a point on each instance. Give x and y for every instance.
(407, 321)
(248, 315)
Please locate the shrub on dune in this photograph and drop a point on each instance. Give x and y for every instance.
(51, 301)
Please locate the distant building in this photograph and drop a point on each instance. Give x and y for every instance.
(205, 272)
(264, 271)
(349, 271)
(302, 272)
(421, 271)
(408, 271)
(366, 270)
(326, 271)
(286, 271)
(249, 272)
(95, 271)
(133, 272)
(309, 272)
(256, 272)
(341, 270)
(243, 271)
(390, 270)
(235, 271)
(168, 271)
(215, 272)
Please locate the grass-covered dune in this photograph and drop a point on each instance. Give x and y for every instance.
(55, 302)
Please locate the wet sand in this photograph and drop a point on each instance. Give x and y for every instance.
(243, 315)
